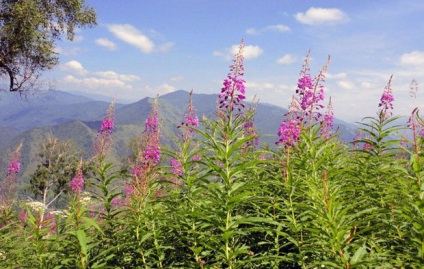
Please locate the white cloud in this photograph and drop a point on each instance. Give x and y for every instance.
(249, 52)
(74, 67)
(286, 59)
(278, 28)
(336, 76)
(412, 58)
(166, 88)
(97, 83)
(114, 75)
(260, 86)
(314, 16)
(367, 85)
(132, 36)
(166, 46)
(104, 42)
(68, 51)
(346, 85)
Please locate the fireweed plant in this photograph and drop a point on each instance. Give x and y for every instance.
(216, 198)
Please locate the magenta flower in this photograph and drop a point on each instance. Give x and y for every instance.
(152, 154)
(177, 167)
(387, 99)
(289, 133)
(196, 158)
(191, 120)
(421, 133)
(14, 167)
(250, 130)
(108, 122)
(77, 183)
(103, 140)
(233, 91)
(311, 91)
(152, 124)
(107, 125)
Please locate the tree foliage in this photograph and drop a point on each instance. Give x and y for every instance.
(58, 162)
(28, 32)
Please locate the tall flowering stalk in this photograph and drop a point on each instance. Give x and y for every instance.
(149, 153)
(103, 140)
(190, 118)
(9, 184)
(233, 91)
(311, 91)
(77, 183)
(386, 101)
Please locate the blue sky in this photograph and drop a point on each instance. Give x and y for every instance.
(145, 48)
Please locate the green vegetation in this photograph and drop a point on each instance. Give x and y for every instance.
(218, 200)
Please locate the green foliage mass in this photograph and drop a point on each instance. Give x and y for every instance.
(28, 32)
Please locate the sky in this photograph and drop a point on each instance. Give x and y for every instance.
(145, 48)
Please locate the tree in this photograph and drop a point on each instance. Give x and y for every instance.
(58, 163)
(28, 32)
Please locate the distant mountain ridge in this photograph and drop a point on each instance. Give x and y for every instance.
(66, 116)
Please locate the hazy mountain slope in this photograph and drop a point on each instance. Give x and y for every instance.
(48, 108)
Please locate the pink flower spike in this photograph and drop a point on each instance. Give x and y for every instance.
(233, 90)
(77, 183)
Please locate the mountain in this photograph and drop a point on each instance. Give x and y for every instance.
(66, 116)
(48, 108)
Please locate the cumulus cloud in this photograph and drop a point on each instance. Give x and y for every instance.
(260, 86)
(346, 85)
(315, 16)
(132, 36)
(104, 42)
(286, 59)
(336, 76)
(97, 83)
(74, 67)
(278, 28)
(68, 51)
(275, 28)
(114, 75)
(413, 58)
(166, 88)
(249, 52)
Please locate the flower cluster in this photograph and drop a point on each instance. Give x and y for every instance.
(311, 91)
(149, 148)
(14, 167)
(234, 90)
(77, 183)
(191, 119)
(152, 154)
(108, 122)
(14, 164)
(177, 167)
(152, 123)
(386, 100)
(250, 130)
(289, 133)
(103, 140)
